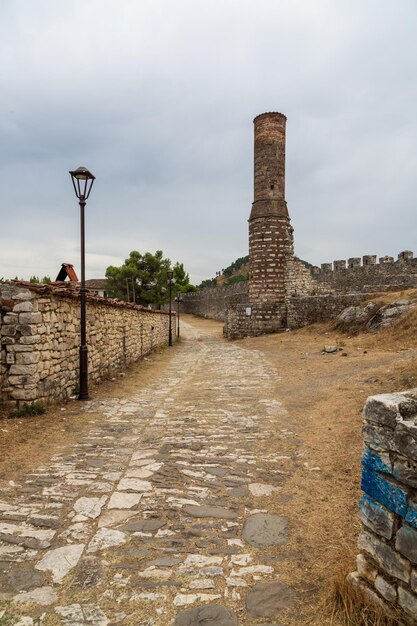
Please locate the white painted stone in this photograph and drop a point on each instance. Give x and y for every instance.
(183, 599)
(124, 500)
(134, 484)
(41, 595)
(61, 561)
(89, 507)
(106, 538)
(260, 489)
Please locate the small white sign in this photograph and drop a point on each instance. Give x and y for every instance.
(248, 311)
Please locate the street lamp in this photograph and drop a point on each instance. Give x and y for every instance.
(178, 300)
(170, 274)
(83, 181)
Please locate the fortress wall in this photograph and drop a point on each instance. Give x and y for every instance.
(386, 275)
(387, 563)
(211, 302)
(303, 310)
(40, 338)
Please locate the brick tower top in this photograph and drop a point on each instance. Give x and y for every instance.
(269, 188)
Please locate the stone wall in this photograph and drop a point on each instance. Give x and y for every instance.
(303, 310)
(40, 337)
(211, 302)
(387, 563)
(371, 276)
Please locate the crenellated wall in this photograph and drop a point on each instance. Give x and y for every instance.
(387, 563)
(369, 276)
(40, 337)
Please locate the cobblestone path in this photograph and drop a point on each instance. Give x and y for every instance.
(167, 512)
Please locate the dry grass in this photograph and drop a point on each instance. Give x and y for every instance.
(346, 605)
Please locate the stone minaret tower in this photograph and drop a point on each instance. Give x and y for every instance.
(270, 231)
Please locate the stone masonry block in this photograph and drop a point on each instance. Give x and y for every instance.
(376, 517)
(24, 394)
(365, 569)
(24, 294)
(413, 580)
(24, 307)
(406, 543)
(30, 318)
(26, 329)
(408, 601)
(411, 517)
(27, 358)
(386, 589)
(388, 559)
(383, 409)
(379, 438)
(22, 370)
(405, 470)
(391, 495)
(378, 462)
(405, 439)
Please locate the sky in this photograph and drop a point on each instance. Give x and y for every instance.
(157, 99)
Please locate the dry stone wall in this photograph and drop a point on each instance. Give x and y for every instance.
(40, 336)
(212, 302)
(387, 563)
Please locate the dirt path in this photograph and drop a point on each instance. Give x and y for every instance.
(217, 481)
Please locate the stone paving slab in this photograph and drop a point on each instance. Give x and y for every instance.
(166, 512)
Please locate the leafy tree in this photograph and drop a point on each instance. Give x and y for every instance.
(143, 278)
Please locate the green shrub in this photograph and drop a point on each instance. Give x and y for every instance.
(34, 408)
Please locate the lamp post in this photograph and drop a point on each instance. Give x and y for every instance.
(83, 181)
(178, 300)
(170, 274)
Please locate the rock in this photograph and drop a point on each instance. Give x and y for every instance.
(209, 511)
(182, 599)
(43, 596)
(134, 484)
(388, 314)
(259, 489)
(124, 500)
(263, 529)
(60, 561)
(88, 573)
(212, 615)
(115, 517)
(106, 538)
(144, 525)
(269, 599)
(76, 614)
(330, 349)
(89, 507)
(354, 317)
(24, 577)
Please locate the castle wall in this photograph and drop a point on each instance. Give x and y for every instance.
(387, 563)
(40, 338)
(371, 276)
(212, 302)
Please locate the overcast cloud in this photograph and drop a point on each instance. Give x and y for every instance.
(157, 98)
